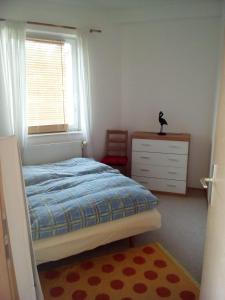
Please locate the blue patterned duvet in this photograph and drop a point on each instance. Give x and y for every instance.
(78, 193)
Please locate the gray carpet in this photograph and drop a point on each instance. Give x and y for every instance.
(183, 229)
(182, 233)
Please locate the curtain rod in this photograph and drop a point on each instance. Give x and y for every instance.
(58, 26)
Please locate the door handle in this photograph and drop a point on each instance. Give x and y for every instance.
(205, 181)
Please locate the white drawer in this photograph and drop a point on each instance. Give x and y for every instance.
(158, 171)
(159, 159)
(177, 147)
(162, 185)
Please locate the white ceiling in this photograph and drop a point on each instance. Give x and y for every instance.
(123, 4)
(106, 4)
(112, 4)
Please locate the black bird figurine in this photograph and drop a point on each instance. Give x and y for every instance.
(162, 122)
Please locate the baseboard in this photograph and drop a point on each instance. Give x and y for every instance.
(189, 188)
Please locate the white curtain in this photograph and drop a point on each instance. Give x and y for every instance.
(12, 80)
(84, 90)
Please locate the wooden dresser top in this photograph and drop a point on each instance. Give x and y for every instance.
(155, 136)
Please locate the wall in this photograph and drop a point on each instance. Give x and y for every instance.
(157, 55)
(217, 91)
(104, 57)
(170, 65)
(106, 85)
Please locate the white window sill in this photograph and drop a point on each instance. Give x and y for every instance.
(54, 133)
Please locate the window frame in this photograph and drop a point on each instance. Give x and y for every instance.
(55, 129)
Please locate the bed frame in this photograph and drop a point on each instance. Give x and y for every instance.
(65, 245)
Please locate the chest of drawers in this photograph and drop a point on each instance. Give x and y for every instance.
(160, 162)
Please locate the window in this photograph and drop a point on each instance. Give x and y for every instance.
(52, 102)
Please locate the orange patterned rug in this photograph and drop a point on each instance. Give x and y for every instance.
(142, 273)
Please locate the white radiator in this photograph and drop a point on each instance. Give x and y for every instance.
(51, 152)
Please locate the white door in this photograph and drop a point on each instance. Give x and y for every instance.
(213, 276)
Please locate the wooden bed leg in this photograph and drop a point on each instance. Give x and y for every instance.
(131, 241)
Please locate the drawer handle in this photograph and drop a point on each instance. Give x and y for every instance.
(172, 159)
(144, 170)
(145, 157)
(171, 185)
(174, 146)
(146, 145)
(171, 172)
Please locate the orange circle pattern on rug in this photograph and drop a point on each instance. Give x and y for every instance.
(139, 260)
(94, 280)
(119, 257)
(102, 297)
(163, 292)
(56, 291)
(140, 288)
(148, 250)
(187, 295)
(108, 268)
(52, 274)
(87, 265)
(129, 271)
(72, 277)
(117, 284)
(143, 275)
(160, 263)
(173, 278)
(79, 295)
(151, 275)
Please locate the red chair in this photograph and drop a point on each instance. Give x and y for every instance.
(116, 150)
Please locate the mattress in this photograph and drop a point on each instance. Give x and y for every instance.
(78, 193)
(72, 243)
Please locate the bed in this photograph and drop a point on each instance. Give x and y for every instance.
(79, 204)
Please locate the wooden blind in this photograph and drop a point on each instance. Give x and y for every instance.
(46, 85)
